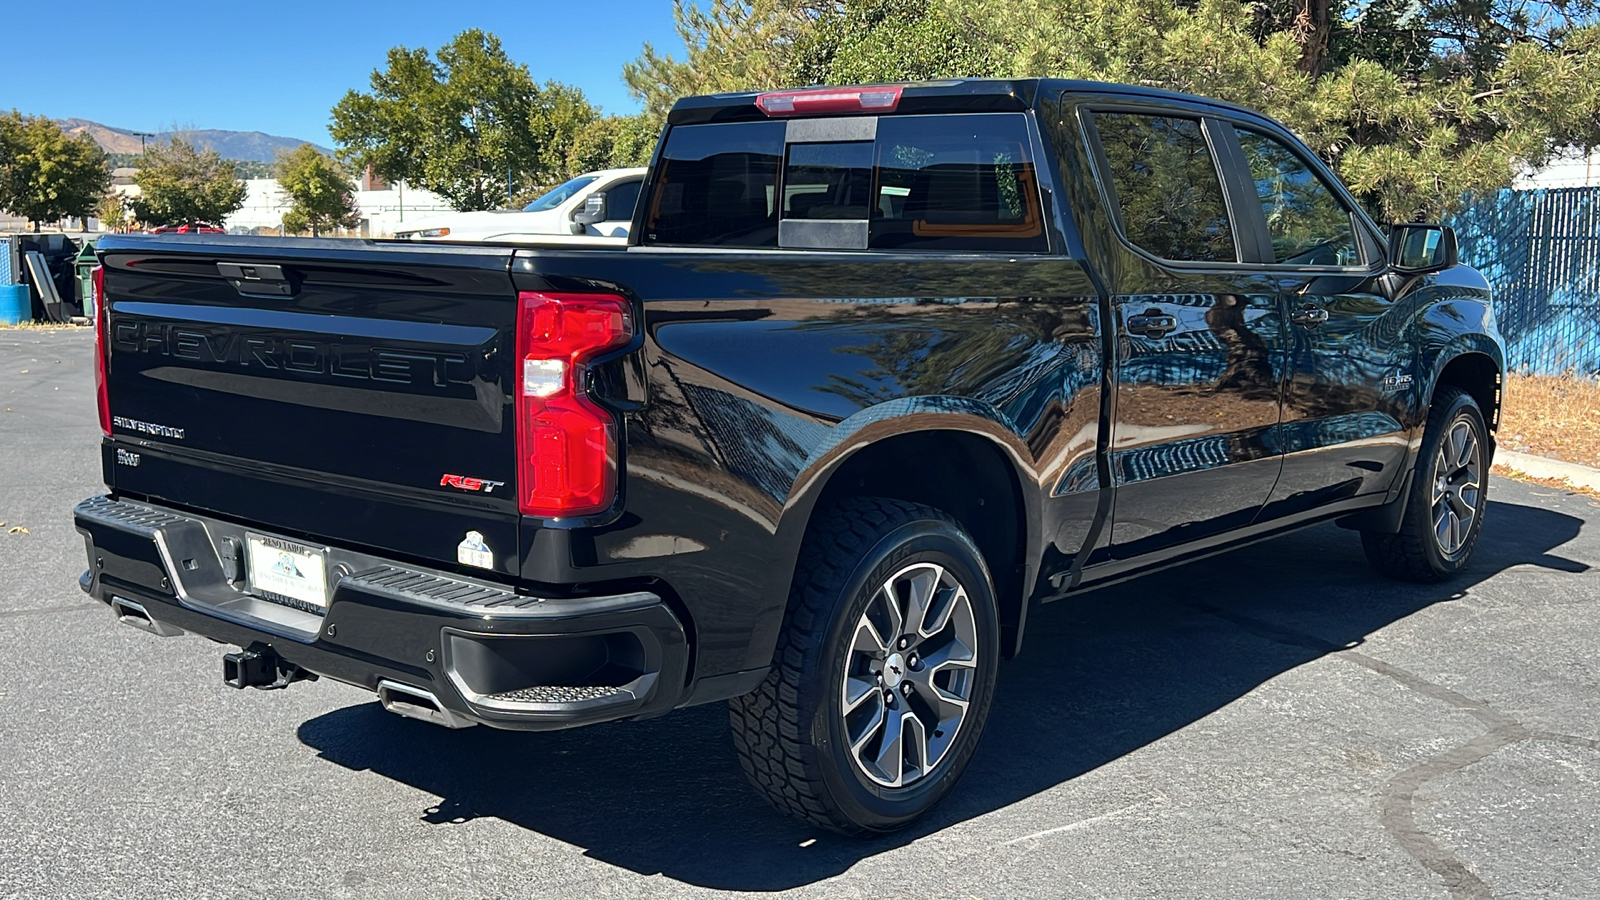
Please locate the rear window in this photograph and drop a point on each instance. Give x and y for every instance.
(828, 181)
(715, 186)
(947, 182)
(957, 183)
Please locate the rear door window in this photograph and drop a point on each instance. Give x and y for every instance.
(1169, 197)
(621, 199)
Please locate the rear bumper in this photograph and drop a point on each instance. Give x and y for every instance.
(488, 654)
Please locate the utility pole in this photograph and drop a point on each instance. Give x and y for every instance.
(142, 135)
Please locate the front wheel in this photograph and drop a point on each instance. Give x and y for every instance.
(1449, 495)
(883, 674)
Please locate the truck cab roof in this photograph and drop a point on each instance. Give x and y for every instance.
(921, 97)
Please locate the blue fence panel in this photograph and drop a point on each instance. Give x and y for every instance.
(1540, 251)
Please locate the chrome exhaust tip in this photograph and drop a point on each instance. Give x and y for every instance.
(130, 612)
(417, 703)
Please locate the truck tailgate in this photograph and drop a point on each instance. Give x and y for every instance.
(344, 392)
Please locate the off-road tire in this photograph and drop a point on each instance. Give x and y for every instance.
(789, 732)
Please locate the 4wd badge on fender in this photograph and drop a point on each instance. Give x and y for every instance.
(470, 484)
(1395, 381)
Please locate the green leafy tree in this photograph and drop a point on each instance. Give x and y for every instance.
(45, 175)
(614, 142)
(179, 183)
(468, 125)
(112, 211)
(560, 114)
(320, 192)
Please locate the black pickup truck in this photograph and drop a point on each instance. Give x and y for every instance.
(882, 369)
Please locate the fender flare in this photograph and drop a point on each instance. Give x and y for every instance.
(870, 427)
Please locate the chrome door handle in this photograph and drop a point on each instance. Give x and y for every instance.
(1309, 316)
(1152, 323)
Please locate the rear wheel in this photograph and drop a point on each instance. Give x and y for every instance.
(1449, 494)
(883, 674)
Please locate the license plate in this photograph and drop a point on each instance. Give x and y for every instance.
(287, 572)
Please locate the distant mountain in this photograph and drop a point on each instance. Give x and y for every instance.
(249, 145)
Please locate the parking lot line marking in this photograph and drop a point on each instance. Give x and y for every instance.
(1081, 823)
(5, 614)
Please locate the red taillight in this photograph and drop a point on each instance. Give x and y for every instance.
(825, 101)
(566, 444)
(101, 345)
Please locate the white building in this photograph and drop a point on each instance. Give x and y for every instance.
(1570, 168)
(382, 208)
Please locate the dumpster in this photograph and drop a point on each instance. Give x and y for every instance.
(10, 260)
(16, 304)
(83, 266)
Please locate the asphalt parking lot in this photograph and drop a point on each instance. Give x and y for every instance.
(1274, 722)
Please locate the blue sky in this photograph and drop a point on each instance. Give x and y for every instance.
(279, 66)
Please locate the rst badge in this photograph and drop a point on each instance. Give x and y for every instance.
(462, 482)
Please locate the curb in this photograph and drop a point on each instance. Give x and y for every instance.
(1540, 467)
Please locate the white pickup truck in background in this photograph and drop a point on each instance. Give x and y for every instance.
(595, 205)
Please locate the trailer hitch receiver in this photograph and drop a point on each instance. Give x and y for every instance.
(260, 667)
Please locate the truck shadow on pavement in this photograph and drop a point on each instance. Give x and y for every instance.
(1110, 671)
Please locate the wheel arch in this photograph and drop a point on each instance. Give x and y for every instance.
(967, 464)
(1478, 373)
(1457, 342)
(1471, 362)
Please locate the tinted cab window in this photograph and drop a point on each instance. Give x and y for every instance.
(1308, 223)
(957, 183)
(1169, 197)
(621, 198)
(828, 181)
(944, 182)
(714, 186)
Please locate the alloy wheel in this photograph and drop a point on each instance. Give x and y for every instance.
(1457, 487)
(909, 675)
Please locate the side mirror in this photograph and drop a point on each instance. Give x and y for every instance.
(1416, 248)
(593, 211)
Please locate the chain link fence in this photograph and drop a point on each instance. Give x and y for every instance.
(1540, 251)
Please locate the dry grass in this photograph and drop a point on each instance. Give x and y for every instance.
(1552, 416)
(1560, 484)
